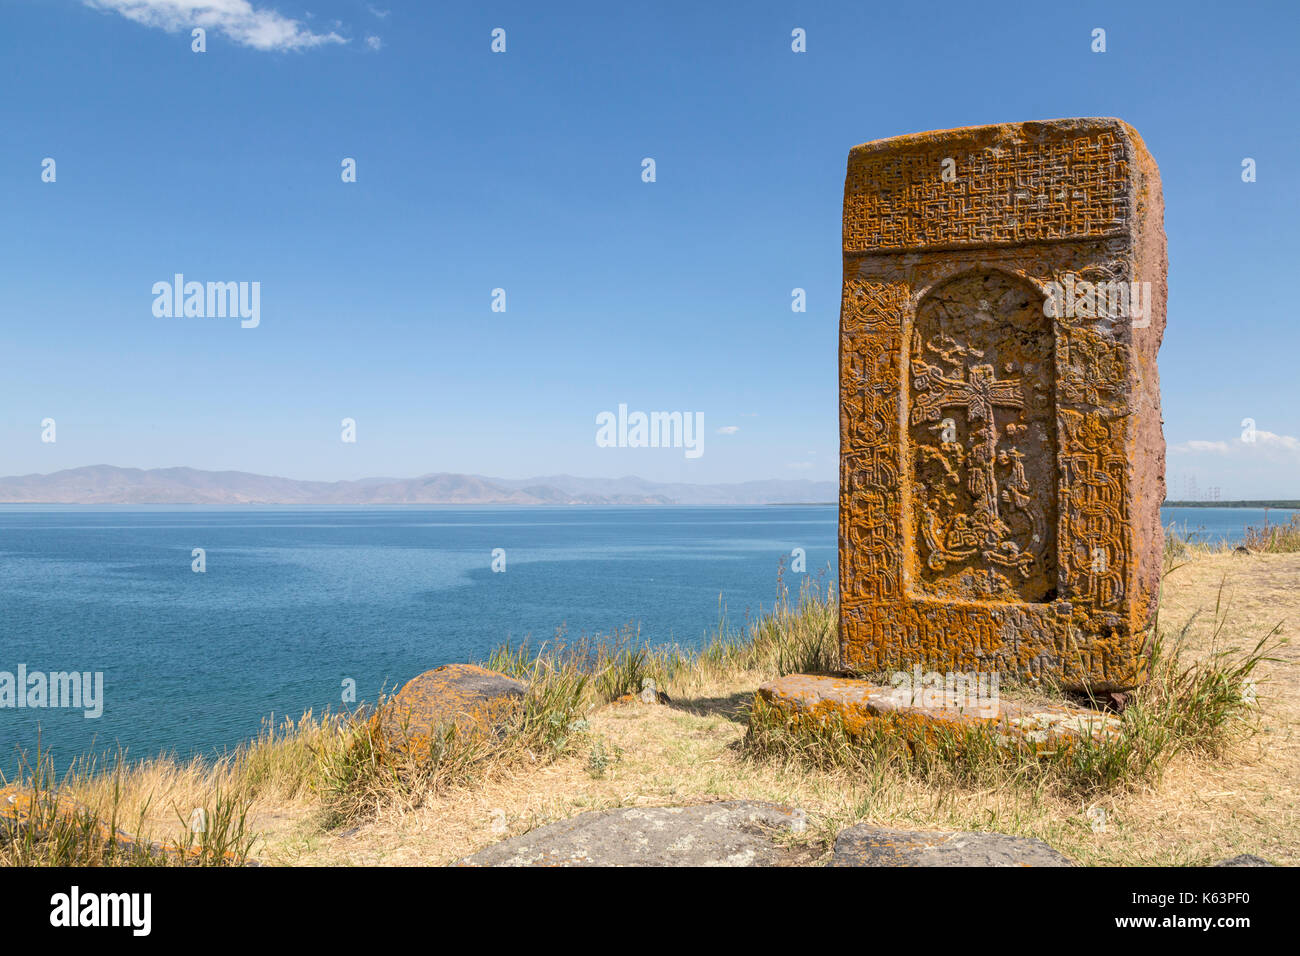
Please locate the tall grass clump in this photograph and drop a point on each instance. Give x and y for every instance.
(565, 680)
(800, 636)
(366, 773)
(84, 818)
(1274, 538)
(1181, 546)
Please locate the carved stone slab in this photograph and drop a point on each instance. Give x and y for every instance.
(1001, 451)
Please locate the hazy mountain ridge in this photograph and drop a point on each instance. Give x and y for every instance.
(109, 484)
(767, 491)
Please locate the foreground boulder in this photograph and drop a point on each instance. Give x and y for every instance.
(466, 695)
(864, 845)
(736, 833)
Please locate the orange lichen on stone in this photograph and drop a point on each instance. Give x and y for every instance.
(1002, 459)
(19, 811)
(861, 708)
(472, 698)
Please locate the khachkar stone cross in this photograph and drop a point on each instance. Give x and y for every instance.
(980, 395)
(1002, 459)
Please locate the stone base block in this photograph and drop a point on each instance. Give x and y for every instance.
(929, 716)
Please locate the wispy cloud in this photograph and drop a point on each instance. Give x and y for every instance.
(1195, 445)
(1287, 442)
(238, 20)
(374, 43)
(1237, 468)
(1268, 443)
(728, 429)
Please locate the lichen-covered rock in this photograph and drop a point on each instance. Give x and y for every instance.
(861, 706)
(864, 845)
(466, 695)
(735, 833)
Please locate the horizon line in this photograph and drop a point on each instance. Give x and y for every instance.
(427, 474)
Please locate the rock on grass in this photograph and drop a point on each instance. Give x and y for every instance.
(735, 833)
(469, 696)
(864, 845)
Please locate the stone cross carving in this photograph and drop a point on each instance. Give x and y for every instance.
(979, 394)
(1002, 461)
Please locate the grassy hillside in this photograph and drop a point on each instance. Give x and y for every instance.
(1207, 766)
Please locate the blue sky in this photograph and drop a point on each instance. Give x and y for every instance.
(522, 171)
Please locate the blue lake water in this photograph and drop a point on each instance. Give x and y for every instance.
(293, 601)
(1212, 525)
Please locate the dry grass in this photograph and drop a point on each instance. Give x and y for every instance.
(1274, 538)
(193, 811)
(363, 776)
(1182, 546)
(1268, 538)
(1218, 785)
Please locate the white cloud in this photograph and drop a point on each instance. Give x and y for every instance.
(239, 20)
(374, 43)
(728, 429)
(1265, 442)
(1218, 447)
(382, 14)
(1268, 467)
(800, 465)
(1287, 442)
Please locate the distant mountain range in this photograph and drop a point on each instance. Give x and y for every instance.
(108, 484)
